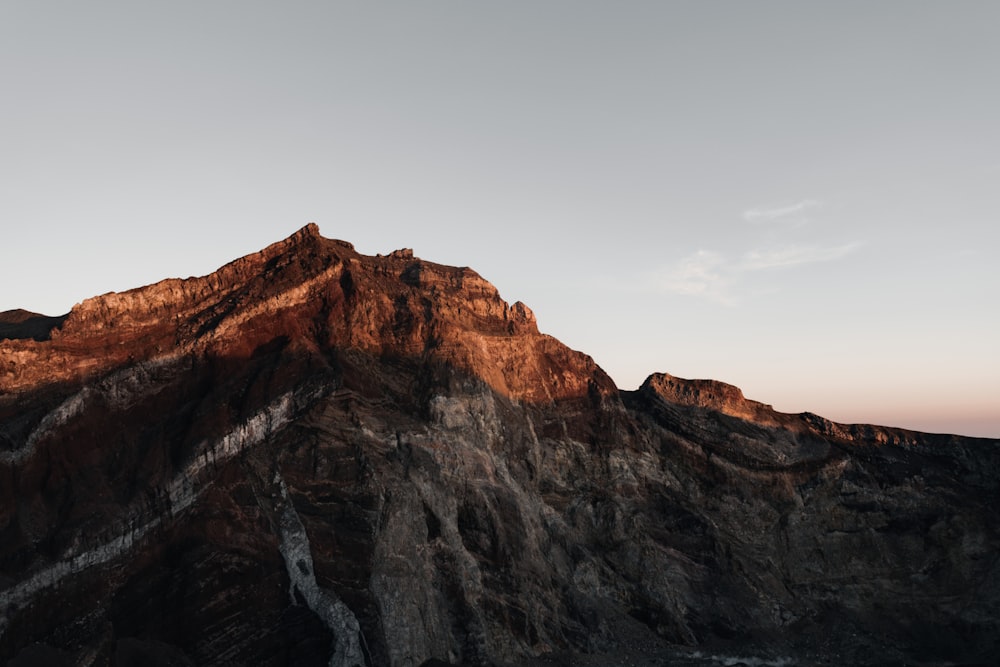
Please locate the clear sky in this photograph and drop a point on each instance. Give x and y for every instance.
(799, 198)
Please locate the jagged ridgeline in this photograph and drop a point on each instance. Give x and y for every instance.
(314, 456)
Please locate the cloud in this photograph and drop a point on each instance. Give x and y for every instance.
(702, 274)
(778, 212)
(757, 260)
(710, 275)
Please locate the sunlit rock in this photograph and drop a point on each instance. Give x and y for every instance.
(313, 456)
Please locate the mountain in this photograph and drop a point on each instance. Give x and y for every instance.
(317, 457)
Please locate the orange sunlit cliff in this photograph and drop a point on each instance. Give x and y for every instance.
(314, 456)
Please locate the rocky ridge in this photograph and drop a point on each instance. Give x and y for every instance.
(313, 456)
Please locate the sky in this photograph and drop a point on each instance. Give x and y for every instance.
(796, 198)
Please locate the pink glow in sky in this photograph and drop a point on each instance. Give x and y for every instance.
(796, 198)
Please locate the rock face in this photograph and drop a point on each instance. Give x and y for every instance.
(316, 457)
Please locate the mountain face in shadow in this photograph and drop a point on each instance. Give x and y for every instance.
(23, 324)
(317, 457)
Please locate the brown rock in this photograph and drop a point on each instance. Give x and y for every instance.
(313, 456)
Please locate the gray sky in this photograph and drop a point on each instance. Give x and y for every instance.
(797, 198)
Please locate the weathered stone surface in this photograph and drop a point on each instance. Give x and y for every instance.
(314, 456)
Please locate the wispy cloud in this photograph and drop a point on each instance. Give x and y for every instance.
(774, 258)
(780, 212)
(710, 275)
(701, 274)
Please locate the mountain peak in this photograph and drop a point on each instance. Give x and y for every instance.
(316, 292)
(315, 456)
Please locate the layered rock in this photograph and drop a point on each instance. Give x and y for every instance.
(313, 456)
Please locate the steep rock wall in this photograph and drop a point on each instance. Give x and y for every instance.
(317, 457)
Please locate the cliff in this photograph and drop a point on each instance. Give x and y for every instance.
(313, 456)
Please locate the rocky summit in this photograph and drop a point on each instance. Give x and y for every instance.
(318, 457)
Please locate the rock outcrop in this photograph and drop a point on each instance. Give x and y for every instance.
(313, 456)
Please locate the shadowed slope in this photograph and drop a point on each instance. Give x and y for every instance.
(313, 456)
(20, 324)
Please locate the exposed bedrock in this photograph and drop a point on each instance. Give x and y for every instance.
(316, 457)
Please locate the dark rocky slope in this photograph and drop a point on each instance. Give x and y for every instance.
(314, 456)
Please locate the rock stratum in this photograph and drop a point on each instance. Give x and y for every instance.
(317, 457)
